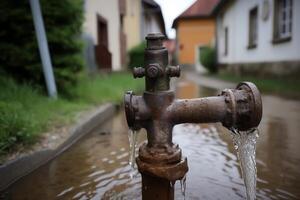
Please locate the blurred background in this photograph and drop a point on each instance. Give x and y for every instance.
(61, 59)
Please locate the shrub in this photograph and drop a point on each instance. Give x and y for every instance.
(208, 59)
(18, 44)
(136, 55)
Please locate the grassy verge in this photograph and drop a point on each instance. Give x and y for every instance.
(25, 112)
(286, 87)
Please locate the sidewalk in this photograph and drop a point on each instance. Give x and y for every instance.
(209, 82)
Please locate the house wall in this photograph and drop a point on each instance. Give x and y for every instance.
(192, 33)
(132, 22)
(236, 18)
(110, 11)
(151, 24)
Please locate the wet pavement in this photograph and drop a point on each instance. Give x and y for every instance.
(97, 166)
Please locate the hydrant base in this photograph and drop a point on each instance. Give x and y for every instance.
(171, 172)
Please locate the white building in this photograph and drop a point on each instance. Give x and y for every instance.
(102, 27)
(259, 36)
(113, 26)
(142, 17)
(152, 20)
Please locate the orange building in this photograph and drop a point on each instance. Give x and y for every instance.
(195, 27)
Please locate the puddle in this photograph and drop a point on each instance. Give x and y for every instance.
(189, 90)
(97, 167)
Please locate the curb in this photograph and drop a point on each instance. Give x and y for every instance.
(14, 170)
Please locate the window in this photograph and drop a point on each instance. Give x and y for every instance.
(253, 27)
(282, 20)
(226, 41)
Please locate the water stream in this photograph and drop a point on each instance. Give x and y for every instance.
(183, 186)
(132, 138)
(245, 145)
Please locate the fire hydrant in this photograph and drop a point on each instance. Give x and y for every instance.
(160, 161)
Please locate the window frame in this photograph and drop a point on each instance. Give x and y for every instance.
(279, 23)
(225, 40)
(253, 39)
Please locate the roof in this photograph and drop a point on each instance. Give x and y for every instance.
(200, 9)
(155, 9)
(170, 45)
(151, 3)
(222, 5)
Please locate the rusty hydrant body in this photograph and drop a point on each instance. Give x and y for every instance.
(160, 161)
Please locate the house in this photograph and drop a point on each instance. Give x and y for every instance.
(152, 19)
(260, 37)
(195, 28)
(142, 17)
(104, 34)
(170, 45)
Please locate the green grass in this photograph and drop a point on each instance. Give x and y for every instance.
(286, 87)
(25, 112)
(106, 88)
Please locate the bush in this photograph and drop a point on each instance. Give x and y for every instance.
(18, 44)
(136, 55)
(208, 59)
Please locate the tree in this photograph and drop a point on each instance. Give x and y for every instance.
(18, 45)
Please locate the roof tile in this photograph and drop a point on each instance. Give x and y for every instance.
(200, 8)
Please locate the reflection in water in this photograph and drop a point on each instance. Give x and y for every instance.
(189, 90)
(97, 167)
(213, 170)
(278, 149)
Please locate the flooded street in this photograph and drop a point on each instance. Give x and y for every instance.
(97, 166)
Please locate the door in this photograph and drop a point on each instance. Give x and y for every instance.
(198, 66)
(103, 56)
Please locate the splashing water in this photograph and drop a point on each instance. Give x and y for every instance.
(132, 136)
(183, 186)
(245, 145)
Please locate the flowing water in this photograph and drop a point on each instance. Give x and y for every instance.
(132, 138)
(245, 145)
(133, 148)
(97, 166)
(183, 186)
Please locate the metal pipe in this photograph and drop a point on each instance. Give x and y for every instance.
(160, 161)
(200, 110)
(160, 189)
